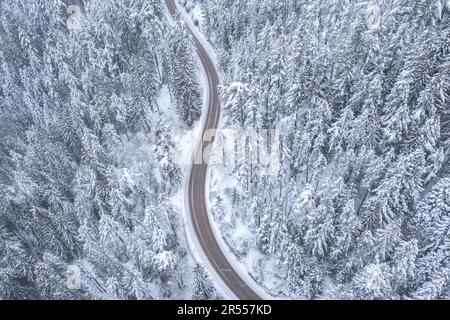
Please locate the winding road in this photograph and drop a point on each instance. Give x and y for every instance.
(197, 184)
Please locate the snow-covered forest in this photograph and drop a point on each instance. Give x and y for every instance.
(93, 94)
(360, 208)
(87, 173)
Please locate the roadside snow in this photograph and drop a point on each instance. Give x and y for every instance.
(189, 12)
(236, 239)
(193, 9)
(184, 138)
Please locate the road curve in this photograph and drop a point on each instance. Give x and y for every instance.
(197, 184)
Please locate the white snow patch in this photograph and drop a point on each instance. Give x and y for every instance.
(237, 85)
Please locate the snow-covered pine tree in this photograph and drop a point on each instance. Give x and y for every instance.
(182, 76)
(202, 287)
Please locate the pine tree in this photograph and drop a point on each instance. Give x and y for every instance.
(320, 229)
(67, 98)
(202, 288)
(373, 282)
(398, 192)
(348, 227)
(235, 98)
(433, 226)
(182, 77)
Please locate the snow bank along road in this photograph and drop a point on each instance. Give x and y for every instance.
(197, 185)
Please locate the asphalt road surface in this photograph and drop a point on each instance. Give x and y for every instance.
(197, 183)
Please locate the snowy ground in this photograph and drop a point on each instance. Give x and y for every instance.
(237, 235)
(183, 137)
